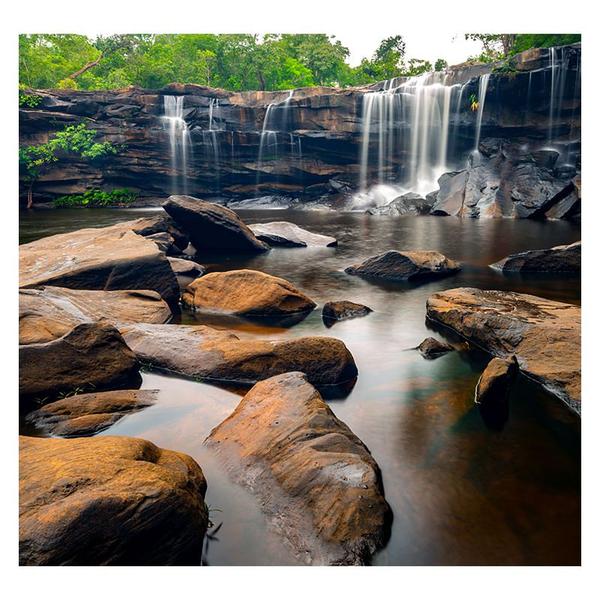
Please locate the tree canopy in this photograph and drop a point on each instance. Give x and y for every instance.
(231, 61)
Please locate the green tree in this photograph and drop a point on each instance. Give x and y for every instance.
(75, 140)
(440, 64)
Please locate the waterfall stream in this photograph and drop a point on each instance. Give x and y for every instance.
(179, 142)
(483, 85)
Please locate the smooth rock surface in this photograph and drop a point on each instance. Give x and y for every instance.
(559, 259)
(186, 268)
(317, 482)
(432, 348)
(207, 353)
(407, 204)
(212, 227)
(89, 356)
(344, 309)
(283, 233)
(107, 258)
(246, 293)
(545, 336)
(48, 313)
(405, 266)
(87, 414)
(108, 501)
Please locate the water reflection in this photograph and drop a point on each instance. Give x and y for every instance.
(461, 492)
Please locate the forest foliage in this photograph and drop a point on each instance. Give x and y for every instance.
(231, 61)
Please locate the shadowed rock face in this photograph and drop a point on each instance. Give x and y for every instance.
(206, 353)
(344, 309)
(107, 258)
(108, 501)
(48, 313)
(560, 259)
(91, 355)
(405, 266)
(87, 414)
(186, 268)
(545, 336)
(316, 480)
(432, 348)
(211, 226)
(282, 233)
(493, 390)
(246, 293)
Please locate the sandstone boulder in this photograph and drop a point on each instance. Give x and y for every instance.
(186, 268)
(342, 310)
(108, 501)
(316, 480)
(559, 259)
(282, 233)
(212, 354)
(89, 356)
(544, 336)
(405, 266)
(212, 227)
(432, 348)
(87, 414)
(107, 258)
(246, 293)
(48, 313)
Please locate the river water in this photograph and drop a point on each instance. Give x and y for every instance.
(461, 494)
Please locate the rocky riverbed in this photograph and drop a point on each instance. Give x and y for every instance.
(387, 429)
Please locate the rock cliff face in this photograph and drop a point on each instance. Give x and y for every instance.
(306, 144)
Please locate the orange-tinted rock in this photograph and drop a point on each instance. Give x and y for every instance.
(545, 336)
(246, 293)
(316, 480)
(108, 501)
(207, 353)
(89, 356)
(342, 310)
(87, 414)
(48, 313)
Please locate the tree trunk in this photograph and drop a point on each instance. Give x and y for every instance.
(85, 68)
(508, 41)
(30, 196)
(261, 79)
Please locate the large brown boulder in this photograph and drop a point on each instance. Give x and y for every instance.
(246, 293)
(212, 227)
(48, 313)
(207, 353)
(284, 233)
(89, 356)
(559, 259)
(108, 501)
(405, 266)
(107, 258)
(315, 479)
(545, 336)
(87, 414)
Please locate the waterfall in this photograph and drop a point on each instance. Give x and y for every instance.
(179, 142)
(420, 105)
(483, 85)
(214, 126)
(558, 76)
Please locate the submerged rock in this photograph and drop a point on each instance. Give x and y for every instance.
(87, 414)
(212, 354)
(91, 355)
(344, 309)
(212, 227)
(545, 336)
(493, 390)
(186, 268)
(559, 259)
(432, 348)
(48, 313)
(316, 480)
(282, 233)
(107, 258)
(246, 293)
(108, 501)
(405, 266)
(407, 204)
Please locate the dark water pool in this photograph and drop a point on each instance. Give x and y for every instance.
(460, 492)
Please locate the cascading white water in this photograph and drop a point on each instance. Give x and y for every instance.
(558, 74)
(421, 105)
(179, 142)
(482, 93)
(210, 138)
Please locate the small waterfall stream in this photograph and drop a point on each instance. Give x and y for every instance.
(483, 85)
(179, 142)
(210, 139)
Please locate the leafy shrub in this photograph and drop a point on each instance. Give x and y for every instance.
(95, 198)
(29, 100)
